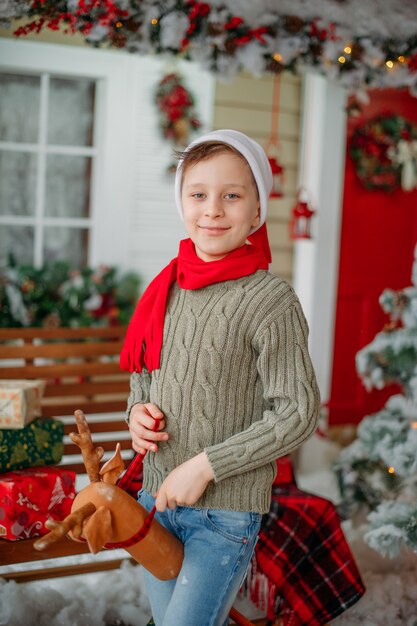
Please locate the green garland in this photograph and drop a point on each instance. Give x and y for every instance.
(57, 295)
(214, 35)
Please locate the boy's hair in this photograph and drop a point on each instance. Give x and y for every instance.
(206, 150)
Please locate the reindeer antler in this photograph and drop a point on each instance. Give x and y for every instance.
(91, 455)
(73, 522)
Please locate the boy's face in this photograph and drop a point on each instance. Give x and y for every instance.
(220, 205)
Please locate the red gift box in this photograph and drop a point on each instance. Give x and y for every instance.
(29, 497)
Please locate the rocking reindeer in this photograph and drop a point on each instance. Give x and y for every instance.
(104, 515)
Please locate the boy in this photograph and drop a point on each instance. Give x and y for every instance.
(218, 352)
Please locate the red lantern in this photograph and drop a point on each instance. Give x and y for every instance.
(277, 178)
(273, 156)
(300, 224)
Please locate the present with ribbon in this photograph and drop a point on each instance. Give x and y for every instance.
(20, 402)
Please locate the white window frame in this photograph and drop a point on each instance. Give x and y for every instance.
(111, 75)
(42, 149)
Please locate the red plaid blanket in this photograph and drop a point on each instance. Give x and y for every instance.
(303, 569)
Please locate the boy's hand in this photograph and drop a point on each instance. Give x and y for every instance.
(141, 425)
(185, 484)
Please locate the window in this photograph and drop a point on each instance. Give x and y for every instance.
(47, 165)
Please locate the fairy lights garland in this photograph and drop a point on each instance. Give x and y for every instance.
(219, 39)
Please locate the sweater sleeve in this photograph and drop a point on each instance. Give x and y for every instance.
(291, 396)
(140, 385)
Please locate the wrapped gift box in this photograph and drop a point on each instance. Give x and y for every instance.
(38, 443)
(28, 498)
(20, 402)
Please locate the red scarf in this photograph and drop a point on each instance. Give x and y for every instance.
(144, 335)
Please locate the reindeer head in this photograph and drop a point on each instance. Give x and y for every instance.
(93, 523)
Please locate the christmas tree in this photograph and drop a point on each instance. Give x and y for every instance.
(377, 473)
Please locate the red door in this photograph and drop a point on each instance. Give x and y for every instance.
(379, 232)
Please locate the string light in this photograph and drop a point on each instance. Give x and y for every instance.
(342, 59)
(154, 21)
(401, 58)
(413, 424)
(119, 24)
(277, 57)
(348, 50)
(391, 470)
(389, 64)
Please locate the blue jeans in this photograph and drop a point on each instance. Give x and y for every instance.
(218, 546)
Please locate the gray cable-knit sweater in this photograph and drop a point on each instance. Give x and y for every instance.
(236, 380)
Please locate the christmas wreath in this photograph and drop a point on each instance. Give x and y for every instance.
(384, 151)
(176, 110)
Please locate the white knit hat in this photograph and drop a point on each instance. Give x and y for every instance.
(254, 155)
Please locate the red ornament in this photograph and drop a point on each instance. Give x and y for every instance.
(300, 223)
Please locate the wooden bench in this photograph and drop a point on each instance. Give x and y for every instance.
(81, 367)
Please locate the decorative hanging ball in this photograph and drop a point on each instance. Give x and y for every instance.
(215, 28)
(293, 24)
(274, 66)
(119, 40)
(357, 51)
(277, 178)
(300, 223)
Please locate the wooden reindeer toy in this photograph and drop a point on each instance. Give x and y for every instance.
(106, 516)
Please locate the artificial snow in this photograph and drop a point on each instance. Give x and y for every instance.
(103, 598)
(391, 596)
